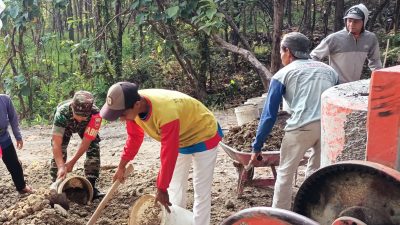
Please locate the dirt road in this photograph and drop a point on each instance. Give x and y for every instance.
(36, 155)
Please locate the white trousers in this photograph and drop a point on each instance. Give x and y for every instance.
(203, 170)
(293, 148)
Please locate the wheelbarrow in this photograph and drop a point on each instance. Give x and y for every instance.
(245, 175)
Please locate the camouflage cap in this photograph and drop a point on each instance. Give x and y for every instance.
(82, 103)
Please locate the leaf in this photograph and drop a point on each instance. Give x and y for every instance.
(135, 4)
(25, 91)
(20, 79)
(172, 11)
(14, 10)
(140, 18)
(159, 49)
(211, 12)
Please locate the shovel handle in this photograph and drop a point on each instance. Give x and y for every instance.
(109, 194)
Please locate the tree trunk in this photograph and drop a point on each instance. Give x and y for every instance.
(339, 13)
(234, 38)
(325, 17)
(305, 26)
(80, 13)
(378, 11)
(288, 12)
(204, 49)
(264, 73)
(314, 14)
(70, 14)
(118, 42)
(168, 32)
(243, 40)
(24, 71)
(75, 18)
(87, 15)
(276, 36)
(397, 16)
(98, 24)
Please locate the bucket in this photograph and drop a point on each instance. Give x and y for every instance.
(145, 212)
(259, 102)
(246, 113)
(77, 189)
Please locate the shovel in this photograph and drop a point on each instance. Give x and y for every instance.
(109, 194)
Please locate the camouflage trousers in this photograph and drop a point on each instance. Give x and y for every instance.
(91, 164)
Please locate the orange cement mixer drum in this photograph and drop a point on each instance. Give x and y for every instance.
(267, 215)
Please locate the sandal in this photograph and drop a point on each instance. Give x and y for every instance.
(26, 190)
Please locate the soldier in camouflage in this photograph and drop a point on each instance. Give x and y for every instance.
(77, 115)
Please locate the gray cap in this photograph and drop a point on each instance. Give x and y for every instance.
(358, 12)
(120, 97)
(298, 44)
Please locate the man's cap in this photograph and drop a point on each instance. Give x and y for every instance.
(82, 103)
(358, 12)
(354, 13)
(120, 97)
(298, 44)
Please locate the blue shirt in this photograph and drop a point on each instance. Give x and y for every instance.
(301, 83)
(8, 116)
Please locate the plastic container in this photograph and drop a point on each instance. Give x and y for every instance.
(259, 102)
(144, 212)
(85, 194)
(246, 113)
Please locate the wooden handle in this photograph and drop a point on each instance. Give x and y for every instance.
(109, 194)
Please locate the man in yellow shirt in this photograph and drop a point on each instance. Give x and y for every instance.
(188, 132)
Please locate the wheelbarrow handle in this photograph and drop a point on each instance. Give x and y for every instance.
(251, 163)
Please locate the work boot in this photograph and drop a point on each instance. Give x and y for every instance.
(96, 193)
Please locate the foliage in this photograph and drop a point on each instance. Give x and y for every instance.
(59, 46)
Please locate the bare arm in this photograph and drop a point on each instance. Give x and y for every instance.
(58, 156)
(57, 151)
(83, 147)
(119, 174)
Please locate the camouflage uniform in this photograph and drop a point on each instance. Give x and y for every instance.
(65, 124)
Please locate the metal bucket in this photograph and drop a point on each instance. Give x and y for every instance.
(77, 189)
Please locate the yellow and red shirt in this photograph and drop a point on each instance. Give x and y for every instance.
(181, 123)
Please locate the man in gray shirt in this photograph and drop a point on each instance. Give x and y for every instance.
(347, 49)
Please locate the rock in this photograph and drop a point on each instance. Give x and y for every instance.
(20, 214)
(229, 204)
(61, 210)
